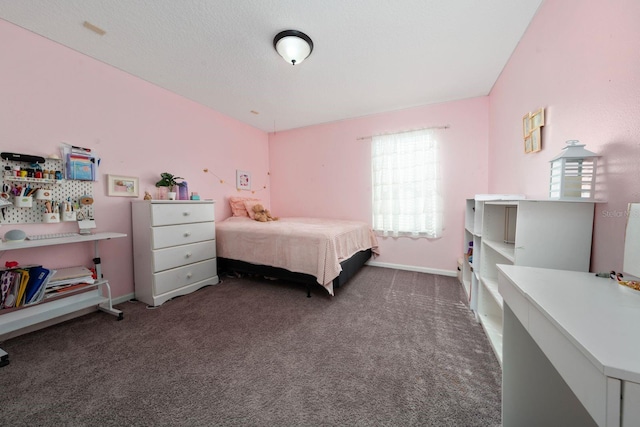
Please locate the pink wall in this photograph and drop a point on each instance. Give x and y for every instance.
(52, 94)
(325, 171)
(580, 61)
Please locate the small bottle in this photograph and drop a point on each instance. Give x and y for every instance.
(183, 191)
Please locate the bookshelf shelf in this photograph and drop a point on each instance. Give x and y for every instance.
(511, 230)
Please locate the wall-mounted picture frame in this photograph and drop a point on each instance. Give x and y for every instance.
(536, 140)
(527, 144)
(123, 186)
(537, 119)
(243, 180)
(526, 125)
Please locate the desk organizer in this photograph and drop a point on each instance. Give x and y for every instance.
(50, 217)
(23, 201)
(60, 190)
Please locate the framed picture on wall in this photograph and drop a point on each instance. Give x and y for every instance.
(536, 140)
(526, 125)
(537, 119)
(527, 144)
(125, 186)
(243, 180)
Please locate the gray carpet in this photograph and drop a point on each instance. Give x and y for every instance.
(391, 348)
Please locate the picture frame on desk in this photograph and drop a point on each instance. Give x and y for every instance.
(123, 186)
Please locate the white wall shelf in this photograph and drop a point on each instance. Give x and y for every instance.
(510, 230)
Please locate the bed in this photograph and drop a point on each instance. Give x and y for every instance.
(326, 252)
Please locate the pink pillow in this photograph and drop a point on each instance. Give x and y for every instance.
(249, 204)
(237, 206)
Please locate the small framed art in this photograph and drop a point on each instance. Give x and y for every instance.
(125, 186)
(527, 144)
(526, 125)
(243, 180)
(537, 119)
(536, 140)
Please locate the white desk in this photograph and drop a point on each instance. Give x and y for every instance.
(571, 353)
(37, 314)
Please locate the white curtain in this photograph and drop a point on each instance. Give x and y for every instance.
(407, 199)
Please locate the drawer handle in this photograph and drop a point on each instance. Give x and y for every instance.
(186, 213)
(189, 275)
(187, 234)
(188, 255)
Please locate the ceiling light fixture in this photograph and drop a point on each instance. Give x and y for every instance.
(294, 46)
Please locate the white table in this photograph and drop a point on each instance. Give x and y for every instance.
(571, 352)
(31, 315)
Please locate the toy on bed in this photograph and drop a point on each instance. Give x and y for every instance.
(261, 214)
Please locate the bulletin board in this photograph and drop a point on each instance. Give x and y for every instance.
(63, 190)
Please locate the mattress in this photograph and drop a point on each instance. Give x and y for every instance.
(313, 246)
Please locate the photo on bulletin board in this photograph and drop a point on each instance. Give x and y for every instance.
(124, 186)
(243, 180)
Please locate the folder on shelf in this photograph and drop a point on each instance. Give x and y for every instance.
(7, 283)
(10, 299)
(37, 279)
(24, 279)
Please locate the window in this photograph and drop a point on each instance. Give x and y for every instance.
(406, 184)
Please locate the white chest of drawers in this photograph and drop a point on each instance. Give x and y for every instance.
(174, 248)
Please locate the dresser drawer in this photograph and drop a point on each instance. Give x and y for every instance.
(164, 259)
(181, 213)
(179, 277)
(173, 235)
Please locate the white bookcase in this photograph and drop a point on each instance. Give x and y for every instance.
(507, 230)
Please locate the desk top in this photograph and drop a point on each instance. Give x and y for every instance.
(599, 316)
(25, 244)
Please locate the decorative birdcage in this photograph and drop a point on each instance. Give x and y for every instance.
(573, 173)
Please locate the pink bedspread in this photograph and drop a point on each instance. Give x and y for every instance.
(303, 245)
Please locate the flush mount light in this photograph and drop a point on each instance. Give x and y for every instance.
(294, 46)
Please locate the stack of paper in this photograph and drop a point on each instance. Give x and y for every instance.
(69, 278)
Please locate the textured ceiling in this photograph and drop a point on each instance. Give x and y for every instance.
(369, 56)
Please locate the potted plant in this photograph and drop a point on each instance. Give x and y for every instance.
(170, 181)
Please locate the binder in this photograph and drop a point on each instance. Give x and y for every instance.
(37, 279)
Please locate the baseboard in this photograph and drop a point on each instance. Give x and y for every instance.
(414, 268)
(123, 298)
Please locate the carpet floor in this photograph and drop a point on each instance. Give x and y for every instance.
(391, 348)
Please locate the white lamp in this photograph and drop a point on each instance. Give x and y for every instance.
(573, 173)
(294, 46)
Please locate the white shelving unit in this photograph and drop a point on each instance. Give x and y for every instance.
(510, 230)
(98, 295)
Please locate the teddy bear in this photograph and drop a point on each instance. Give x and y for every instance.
(261, 214)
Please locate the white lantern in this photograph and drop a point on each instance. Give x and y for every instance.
(573, 173)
